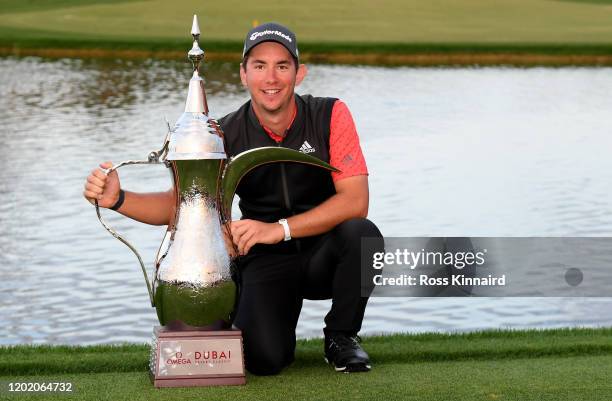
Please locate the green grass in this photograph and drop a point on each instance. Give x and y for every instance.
(560, 364)
(386, 26)
(16, 6)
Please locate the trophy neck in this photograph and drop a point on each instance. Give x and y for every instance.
(198, 177)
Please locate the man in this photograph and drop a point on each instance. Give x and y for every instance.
(301, 227)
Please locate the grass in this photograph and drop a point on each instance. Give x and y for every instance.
(342, 21)
(345, 27)
(561, 364)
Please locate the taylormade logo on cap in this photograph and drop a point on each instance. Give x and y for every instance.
(255, 35)
(271, 32)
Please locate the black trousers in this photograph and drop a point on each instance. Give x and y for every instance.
(274, 280)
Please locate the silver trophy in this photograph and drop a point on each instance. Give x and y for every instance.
(193, 291)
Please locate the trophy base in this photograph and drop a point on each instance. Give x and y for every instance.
(187, 358)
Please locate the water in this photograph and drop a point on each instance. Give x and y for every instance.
(466, 152)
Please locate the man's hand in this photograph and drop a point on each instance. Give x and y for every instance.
(247, 233)
(102, 187)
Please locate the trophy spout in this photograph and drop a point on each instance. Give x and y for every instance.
(241, 164)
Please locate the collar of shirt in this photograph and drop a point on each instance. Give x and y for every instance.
(278, 138)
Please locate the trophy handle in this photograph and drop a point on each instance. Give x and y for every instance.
(155, 157)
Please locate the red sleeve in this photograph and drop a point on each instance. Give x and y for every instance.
(344, 149)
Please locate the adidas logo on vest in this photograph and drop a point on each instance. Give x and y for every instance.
(306, 148)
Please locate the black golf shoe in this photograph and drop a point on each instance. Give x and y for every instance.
(345, 354)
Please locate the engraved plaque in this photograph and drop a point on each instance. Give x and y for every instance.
(197, 358)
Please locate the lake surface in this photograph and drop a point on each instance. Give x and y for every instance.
(451, 152)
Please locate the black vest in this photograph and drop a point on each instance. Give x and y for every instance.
(279, 190)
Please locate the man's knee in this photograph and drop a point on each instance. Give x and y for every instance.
(351, 233)
(357, 228)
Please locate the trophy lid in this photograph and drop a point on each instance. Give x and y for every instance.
(196, 135)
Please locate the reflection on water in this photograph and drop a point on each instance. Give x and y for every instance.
(479, 152)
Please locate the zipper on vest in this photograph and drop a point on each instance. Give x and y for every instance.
(285, 186)
(297, 243)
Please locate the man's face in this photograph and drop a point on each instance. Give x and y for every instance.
(270, 76)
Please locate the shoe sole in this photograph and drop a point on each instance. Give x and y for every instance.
(355, 368)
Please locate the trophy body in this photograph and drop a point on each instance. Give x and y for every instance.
(194, 286)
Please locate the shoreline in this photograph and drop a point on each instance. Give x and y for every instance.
(529, 56)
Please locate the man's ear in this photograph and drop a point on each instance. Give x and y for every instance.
(301, 74)
(243, 75)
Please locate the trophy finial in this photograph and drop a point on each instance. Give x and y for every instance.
(195, 54)
(196, 98)
(195, 28)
